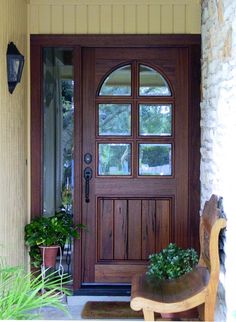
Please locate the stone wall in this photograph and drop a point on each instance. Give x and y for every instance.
(218, 131)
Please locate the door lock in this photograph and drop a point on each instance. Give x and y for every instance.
(88, 158)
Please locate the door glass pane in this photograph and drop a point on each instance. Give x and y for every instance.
(155, 159)
(114, 119)
(58, 135)
(118, 83)
(114, 159)
(58, 92)
(152, 83)
(155, 119)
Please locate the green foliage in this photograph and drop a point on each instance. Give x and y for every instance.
(155, 119)
(172, 262)
(114, 119)
(49, 231)
(114, 155)
(155, 155)
(66, 140)
(67, 197)
(67, 91)
(20, 294)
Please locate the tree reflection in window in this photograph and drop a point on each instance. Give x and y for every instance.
(114, 159)
(155, 159)
(67, 87)
(152, 83)
(114, 119)
(155, 119)
(118, 83)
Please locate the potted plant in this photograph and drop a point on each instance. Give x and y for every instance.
(46, 234)
(171, 263)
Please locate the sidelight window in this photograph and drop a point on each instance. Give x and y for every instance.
(58, 120)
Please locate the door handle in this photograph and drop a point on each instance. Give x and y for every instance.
(88, 173)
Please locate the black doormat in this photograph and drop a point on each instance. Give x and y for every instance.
(110, 310)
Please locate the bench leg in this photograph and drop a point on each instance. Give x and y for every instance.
(209, 313)
(148, 315)
(209, 307)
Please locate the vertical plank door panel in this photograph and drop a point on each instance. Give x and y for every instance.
(120, 229)
(163, 232)
(134, 229)
(105, 226)
(148, 227)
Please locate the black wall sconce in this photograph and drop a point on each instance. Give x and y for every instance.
(15, 63)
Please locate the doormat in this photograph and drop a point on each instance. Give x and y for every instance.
(110, 310)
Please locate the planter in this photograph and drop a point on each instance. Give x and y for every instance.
(189, 314)
(49, 255)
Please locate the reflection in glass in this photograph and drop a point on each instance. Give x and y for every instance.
(155, 119)
(58, 162)
(114, 119)
(114, 159)
(155, 159)
(152, 83)
(117, 83)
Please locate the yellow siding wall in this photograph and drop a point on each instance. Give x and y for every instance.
(114, 16)
(61, 17)
(13, 135)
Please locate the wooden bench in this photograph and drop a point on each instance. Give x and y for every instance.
(195, 289)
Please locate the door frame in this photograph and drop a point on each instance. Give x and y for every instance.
(76, 42)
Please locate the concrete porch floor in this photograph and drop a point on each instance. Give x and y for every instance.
(75, 305)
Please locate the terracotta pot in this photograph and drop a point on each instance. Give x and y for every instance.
(49, 255)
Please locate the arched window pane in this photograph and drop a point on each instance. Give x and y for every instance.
(118, 83)
(152, 83)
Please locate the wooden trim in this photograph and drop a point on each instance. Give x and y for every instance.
(194, 143)
(77, 261)
(107, 273)
(177, 40)
(36, 132)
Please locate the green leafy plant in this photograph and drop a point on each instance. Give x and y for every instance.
(49, 231)
(172, 262)
(20, 294)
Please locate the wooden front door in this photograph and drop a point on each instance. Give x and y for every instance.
(136, 134)
(135, 158)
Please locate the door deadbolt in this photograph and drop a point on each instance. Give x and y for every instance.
(88, 158)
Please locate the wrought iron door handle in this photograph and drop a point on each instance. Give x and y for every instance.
(88, 173)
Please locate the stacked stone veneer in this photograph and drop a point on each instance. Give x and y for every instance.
(218, 132)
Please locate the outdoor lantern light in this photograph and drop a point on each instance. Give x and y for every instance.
(15, 63)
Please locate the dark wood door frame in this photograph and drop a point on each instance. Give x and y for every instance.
(38, 42)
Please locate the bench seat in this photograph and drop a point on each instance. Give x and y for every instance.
(196, 289)
(162, 295)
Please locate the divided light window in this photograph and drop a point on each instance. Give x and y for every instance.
(135, 123)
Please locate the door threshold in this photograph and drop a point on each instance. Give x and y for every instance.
(104, 290)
